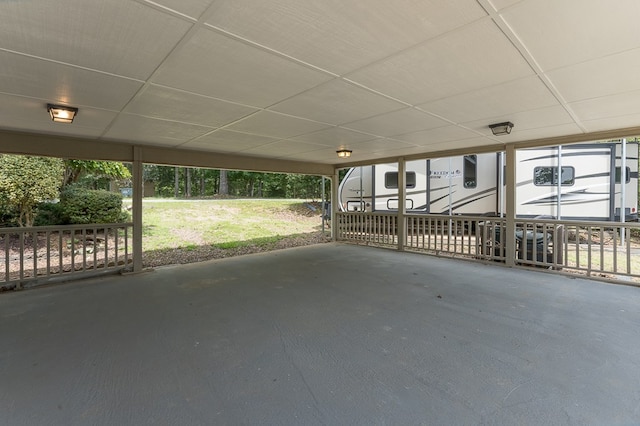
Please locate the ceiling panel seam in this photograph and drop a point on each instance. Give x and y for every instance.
(519, 45)
(188, 35)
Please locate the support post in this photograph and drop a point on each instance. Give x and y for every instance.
(402, 204)
(334, 204)
(510, 232)
(138, 187)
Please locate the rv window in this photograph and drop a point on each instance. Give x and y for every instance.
(391, 180)
(627, 175)
(470, 171)
(548, 176)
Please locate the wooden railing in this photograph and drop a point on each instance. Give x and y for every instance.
(35, 255)
(605, 250)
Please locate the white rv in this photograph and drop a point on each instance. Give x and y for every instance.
(589, 186)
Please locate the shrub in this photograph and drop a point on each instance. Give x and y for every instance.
(8, 214)
(83, 206)
(48, 214)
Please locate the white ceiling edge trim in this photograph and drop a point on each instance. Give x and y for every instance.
(88, 149)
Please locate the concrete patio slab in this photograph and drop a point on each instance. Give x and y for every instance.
(322, 335)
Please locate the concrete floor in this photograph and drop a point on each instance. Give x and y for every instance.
(322, 335)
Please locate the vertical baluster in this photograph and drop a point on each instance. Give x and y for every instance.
(34, 238)
(48, 237)
(614, 231)
(6, 236)
(116, 245)
(21, 255)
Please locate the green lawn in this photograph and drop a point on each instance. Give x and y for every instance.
(225, 224)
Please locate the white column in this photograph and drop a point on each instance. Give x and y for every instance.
(137, 208)
(623, 187)
(402, 203)
(335, 179)
(510, 233)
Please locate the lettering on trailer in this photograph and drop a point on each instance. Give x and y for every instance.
(445, 174)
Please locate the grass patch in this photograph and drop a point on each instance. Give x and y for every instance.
(224, 224)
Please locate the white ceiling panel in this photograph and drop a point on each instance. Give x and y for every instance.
(337, 102)
(524, 120)
(397, 122)
(276, 125)
(334, 136)
(226, 140)
(341, 36)
(298, 79)
(286, 147)
(26, 76)
(190, 8)
(470, 58)
(153, 131)
(466, 144)
(601, 77)
(561, 33)
(382, 145)
(438, 135)
(224, 68)
(177, 105)
(124, 38)
(619, 122)
(606, 107)
(29, 114)
(501, 100)
(502, 4)
(541, 133)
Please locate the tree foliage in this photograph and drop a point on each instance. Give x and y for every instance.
(174, 182)
(93, 170)
(25, 181)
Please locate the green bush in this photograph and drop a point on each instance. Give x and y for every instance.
(8, 214)
(83, 206)
(48, 214)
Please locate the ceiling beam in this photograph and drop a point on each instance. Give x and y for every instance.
(90, 149)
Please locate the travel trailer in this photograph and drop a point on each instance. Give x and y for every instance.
(588, 187)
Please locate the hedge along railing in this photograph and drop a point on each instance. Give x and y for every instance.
(603, 250)
(36, 255)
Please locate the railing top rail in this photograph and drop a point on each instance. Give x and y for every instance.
(18, 229)
(518, 220)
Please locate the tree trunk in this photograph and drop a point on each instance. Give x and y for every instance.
(188, 183)
(176, 183)
(224, 183)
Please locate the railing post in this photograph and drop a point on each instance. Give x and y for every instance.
(137, 209)
(334, 204)
(402, 204)
(510, 232)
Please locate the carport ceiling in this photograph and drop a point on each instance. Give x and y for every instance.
(296, 80)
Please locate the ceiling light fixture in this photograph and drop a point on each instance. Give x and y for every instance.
(62, 114)
(501, 128)
(344, 153)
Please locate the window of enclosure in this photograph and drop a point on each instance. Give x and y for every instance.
(470, 171)
(391, 180)
(548, 176)
(627, 175)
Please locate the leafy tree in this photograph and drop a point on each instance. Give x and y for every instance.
(25, 181)
(94, 170)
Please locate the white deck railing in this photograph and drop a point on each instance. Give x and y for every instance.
(40, 254)
(605, 250)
